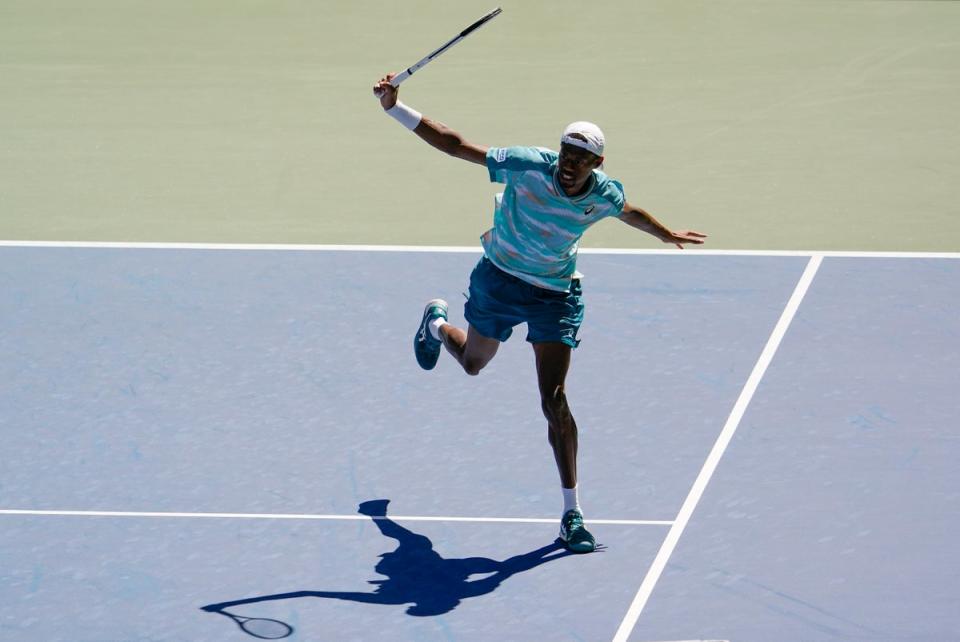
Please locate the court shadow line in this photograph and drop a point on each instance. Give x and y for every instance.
(415, 574)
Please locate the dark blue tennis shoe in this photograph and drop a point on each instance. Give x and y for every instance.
(575, 535)
(425, 347)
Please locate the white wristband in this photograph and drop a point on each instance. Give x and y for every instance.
(407, 117)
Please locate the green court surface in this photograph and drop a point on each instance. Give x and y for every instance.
(808, 125)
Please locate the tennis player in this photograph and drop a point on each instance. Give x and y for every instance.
(528, 272)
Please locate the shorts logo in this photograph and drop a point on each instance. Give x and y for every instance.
(501, 155)
(587, 211)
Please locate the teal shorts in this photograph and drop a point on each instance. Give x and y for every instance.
(498, 301)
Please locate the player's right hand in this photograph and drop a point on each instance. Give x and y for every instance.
(386, 92)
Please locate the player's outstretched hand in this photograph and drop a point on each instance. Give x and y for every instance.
(386, 92)
(680, 237)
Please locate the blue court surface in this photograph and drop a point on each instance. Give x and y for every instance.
(196, 436)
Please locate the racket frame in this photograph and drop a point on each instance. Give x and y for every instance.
(423, 62)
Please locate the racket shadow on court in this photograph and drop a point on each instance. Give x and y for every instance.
(416, 575)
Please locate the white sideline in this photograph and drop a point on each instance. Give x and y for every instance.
(713, 459)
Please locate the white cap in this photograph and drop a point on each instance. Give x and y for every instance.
(594, 137)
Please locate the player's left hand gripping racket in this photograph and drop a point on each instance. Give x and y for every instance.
(403, 75)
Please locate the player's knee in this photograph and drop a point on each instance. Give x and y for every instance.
(555, 407)
(473, 365)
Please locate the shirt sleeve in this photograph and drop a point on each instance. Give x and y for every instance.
(616, 196)
(504, 161)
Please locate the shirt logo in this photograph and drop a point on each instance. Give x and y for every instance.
(587, 211)
(501, 155)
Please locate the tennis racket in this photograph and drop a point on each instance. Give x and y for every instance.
(260, 627)
(403, 75)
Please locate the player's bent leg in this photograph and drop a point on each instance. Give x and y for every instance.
(471, 349)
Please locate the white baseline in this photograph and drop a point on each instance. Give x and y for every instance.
(466, 249)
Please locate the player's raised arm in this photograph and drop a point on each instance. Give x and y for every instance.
(435, 133)
(643, 220)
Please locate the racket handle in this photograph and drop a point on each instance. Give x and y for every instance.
(399, 78)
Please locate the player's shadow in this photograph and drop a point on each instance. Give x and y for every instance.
(416, 574)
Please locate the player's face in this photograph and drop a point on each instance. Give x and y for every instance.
(574, 168)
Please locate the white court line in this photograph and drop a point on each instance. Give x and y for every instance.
(713, 459)
(475, 249)
(396, 518)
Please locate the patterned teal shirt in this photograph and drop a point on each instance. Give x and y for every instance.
(536, 227)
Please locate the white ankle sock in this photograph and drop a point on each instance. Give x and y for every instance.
(435, 326)
(571, 499)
